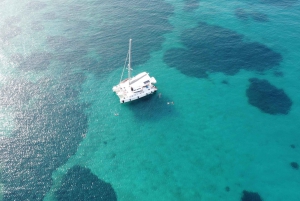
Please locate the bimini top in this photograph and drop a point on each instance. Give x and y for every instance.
(141, 80)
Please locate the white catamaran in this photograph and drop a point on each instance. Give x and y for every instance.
(135, 87)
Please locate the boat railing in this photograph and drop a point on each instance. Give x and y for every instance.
(124, 80)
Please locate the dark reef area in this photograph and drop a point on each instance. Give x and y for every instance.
(81, 184)
(244, 14)
(250, 196)
(191, 5)
(45, 134)
(268, 98)
(295, 165)
(280, 3)
(209, 48)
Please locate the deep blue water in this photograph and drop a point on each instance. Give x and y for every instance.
(230, 67)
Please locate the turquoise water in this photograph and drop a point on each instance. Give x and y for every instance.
(230, 67)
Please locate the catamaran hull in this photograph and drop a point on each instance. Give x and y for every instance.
(125, 100)
(137, 87)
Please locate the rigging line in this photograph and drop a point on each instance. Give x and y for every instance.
(124, 66)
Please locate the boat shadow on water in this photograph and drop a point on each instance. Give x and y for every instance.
(152, 108)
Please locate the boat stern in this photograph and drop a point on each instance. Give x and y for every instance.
(153, 80)
(115, 89)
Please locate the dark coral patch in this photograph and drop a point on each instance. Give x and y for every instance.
(190, 5)
(49, 125)
(295, 165)
(50, 16)
(16, 92)
(36, 61)
(268, 98)
(74, 79)
(259, 17)
(37, 26)
(281, 3)
(9, 31)
(242, 14)
(75, 58)
(293, 146)
(58, 42)
(35, 5)
(81, 184)
(80, 26)
(215, 49)
(250, 196)
(17, 58)
(70, 52)
(278, 73)
(225, 82)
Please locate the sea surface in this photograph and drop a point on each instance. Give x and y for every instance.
(231, 68)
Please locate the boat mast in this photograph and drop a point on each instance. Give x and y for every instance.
(129, 59)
